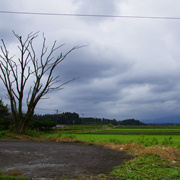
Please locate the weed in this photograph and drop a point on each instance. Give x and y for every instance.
(71, 136)
(116, 141)
(3, 133)
(147, 167)
(154, 141)
(92, 140)
(147, 141)
(167, 142)
(102, 176)
(58, 135)
(12, 176)
(32, 133)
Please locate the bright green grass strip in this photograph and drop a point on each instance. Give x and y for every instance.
(142, 130)
(148, 167)
(147, 140)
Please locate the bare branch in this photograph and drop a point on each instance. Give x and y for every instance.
(15, 74)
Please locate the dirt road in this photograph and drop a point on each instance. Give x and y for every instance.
(41, 159)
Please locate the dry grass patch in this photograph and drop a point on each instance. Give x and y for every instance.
(167, 152)
(18, 137)
(15, 173)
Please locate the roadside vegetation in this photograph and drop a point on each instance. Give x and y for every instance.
(157, 155)
(155, 148)
(148, 167)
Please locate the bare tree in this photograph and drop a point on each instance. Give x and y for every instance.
(17, 73)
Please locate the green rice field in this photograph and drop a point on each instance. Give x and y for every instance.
(146, 130)
(147, 136)
(148, 140)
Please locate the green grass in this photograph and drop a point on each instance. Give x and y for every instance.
(148, 167)
(137, 130)
(123, 135)
(148, 140)
(145, 139)
(147, 127)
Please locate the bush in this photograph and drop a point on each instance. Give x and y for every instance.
(4, 117)
(43, 125)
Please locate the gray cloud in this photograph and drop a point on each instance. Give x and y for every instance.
(129, 68)
(96, 7)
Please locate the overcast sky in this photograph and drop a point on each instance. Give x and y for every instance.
(130, 67)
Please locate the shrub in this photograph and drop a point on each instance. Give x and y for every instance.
(43, 125)
(4, 117)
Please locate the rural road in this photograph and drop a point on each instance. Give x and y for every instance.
(41, 159)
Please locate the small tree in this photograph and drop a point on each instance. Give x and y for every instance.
(16, 74)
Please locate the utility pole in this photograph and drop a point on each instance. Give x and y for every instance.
(95, 122)
(174, 123)
(82, 120)
(56, 115)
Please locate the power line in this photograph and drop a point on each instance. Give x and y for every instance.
(90, 15)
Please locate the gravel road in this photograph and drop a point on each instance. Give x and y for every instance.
(41, 159)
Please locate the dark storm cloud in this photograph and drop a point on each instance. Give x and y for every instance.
(89, 66)
(130, 67)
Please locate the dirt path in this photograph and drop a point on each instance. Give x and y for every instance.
(40, 159)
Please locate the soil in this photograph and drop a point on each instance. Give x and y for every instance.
(43, 159)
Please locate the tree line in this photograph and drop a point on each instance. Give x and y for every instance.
(74, 118)
(48, 121)
(71, 118)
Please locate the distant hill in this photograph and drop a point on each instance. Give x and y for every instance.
(174, 119)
